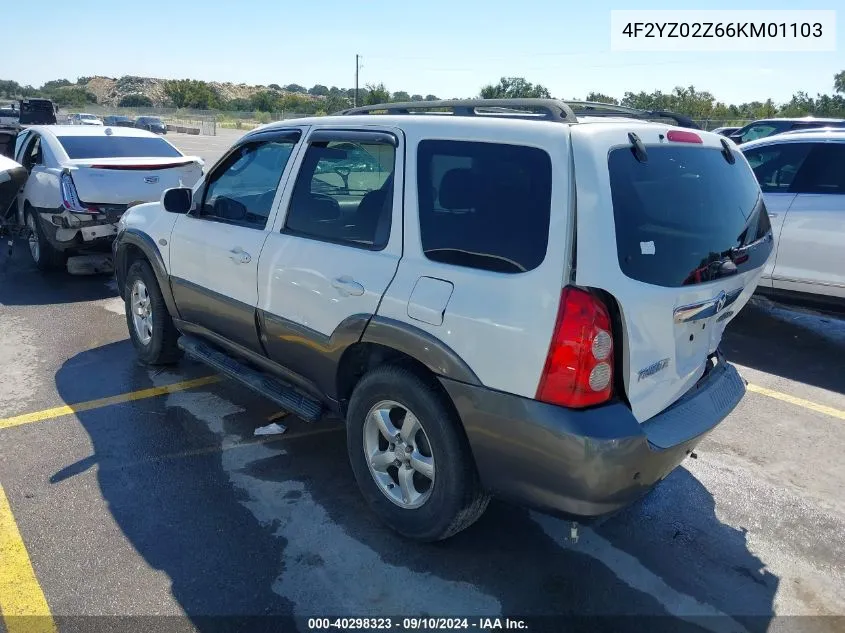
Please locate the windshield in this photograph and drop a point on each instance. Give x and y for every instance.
(117, 147)
(686, 215)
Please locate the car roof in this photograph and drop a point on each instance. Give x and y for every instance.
(90, 130)
(817, 136)
(803, 119)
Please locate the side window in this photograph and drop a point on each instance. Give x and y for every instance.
(32, 152)
(775, 166)
(344, 193)
(20, 141)
(759, 131)
(241, 190)
(823, 171)
(484, 205)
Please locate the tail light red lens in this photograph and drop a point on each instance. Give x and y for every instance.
(70, 199)
(682, 136)
(579, 365)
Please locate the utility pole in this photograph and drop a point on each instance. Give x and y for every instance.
(357, 67)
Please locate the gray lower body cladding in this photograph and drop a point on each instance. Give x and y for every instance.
(591, 462)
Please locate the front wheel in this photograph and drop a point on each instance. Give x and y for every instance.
(410, 457)
(150, 326)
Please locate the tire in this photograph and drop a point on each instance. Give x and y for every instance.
(155, 344)
(453, 500)
(44, 255)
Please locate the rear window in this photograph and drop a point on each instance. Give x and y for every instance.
(484, 205)
(680, 213)
(117, 147)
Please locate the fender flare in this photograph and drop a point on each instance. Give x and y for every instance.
(147, 246)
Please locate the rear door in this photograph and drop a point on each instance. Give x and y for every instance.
(775, 166)
(334, 251)
(811, 250)
(214, 249)
(656, 232)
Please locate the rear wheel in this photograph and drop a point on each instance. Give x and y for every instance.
(410, 459)
(151, 328)
(44, 255)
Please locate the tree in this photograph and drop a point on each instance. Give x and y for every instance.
(376, 93)
(336, 103)
(239, 105)
(135, 101)
(82, 81)
(514, 87)
(295, 88)
(50, 86)
(416, 98)
(839, 81)
(319, 90)
(432, 98)
(401, 96)
(266, 101)
(601, 98)
(74, 96)
(9, 89)
(191, 93)
(275, 87)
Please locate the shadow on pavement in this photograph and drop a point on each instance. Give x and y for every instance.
(21, 283)
(281, 530)
(789, 342)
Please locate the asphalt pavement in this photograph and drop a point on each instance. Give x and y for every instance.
(168, 505)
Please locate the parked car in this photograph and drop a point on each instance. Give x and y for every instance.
(81, 180)
(769, 127)
(83, 118)
(724, 131)
(802, 176)
(118, 120)
(9, 117)
(151, 124)
(430, 292)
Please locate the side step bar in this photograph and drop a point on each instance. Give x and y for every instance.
(271, 388)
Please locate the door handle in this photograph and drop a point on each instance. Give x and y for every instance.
(348, 286)
(239, 255)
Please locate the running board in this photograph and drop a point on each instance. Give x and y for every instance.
(271, 388)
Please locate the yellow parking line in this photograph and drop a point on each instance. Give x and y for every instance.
(784, 397)
(68, 409)
(22, 603)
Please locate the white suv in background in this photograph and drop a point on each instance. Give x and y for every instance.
(802, 175)
(506, 299)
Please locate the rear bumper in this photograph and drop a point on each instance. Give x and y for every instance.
(591, 462)
(66, 233)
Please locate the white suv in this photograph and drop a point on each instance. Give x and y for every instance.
(498, 296)
(802, 175)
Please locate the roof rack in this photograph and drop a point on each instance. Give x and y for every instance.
(534, 109)
(595, 108)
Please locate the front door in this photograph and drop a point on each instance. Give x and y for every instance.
(214, 250)
(334, 252)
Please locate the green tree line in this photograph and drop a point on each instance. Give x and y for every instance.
(321, 99)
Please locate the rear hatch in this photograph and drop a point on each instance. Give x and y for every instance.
(108, 168)
(672, 224)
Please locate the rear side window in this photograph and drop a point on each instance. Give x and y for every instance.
(680, 213)
(823, 170)
(484, 205)
(117, 147)
(776, 166)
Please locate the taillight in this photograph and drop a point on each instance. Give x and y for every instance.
(579, 366)
(70, 199)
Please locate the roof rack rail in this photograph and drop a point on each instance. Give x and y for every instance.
(595, 108)
(535, 109)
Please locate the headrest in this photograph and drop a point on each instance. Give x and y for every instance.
(459, 189)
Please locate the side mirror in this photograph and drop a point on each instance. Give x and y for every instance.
(177, 200)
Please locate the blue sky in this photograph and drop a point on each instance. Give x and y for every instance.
(448, 48)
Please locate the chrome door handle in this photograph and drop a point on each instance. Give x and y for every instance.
(239, 255)
(348, 286)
